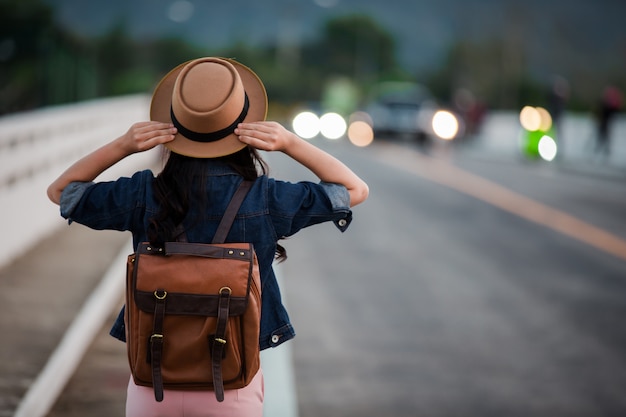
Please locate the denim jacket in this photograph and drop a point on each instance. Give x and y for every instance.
(271, 211)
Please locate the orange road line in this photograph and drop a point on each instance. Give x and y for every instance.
(492, 193)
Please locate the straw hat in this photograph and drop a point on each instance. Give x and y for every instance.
(205, 99)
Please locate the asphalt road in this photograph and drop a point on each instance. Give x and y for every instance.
(466, 286)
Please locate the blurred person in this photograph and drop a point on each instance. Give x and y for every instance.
(471, 109)
(610, 105)
(557, 99)
(210, 115)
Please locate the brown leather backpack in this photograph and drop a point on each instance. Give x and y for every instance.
(193, 312)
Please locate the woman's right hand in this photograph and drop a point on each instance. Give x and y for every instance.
(272, 136)
(265, 135)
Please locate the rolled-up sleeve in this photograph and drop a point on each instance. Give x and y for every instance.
(70, 197)
(340, 201)
(295, 206)
(113, 205)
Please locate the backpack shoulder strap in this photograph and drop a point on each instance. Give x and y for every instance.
(231, 211)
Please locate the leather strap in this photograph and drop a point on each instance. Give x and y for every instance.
(156, 344)
(231, 212)
(219, 342)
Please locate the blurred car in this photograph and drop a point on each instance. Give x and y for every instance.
(402, 109)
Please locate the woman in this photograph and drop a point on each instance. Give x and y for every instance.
(210, 114)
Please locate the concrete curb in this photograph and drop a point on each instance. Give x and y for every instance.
(63, 362)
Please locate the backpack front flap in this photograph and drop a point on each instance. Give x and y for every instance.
(195, 269)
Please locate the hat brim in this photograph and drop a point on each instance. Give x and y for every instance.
(162, 101)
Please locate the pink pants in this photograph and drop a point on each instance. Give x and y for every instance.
(247, 401)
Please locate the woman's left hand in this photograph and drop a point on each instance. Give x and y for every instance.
(143, 136)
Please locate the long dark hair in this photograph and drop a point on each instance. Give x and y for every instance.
(181, 182)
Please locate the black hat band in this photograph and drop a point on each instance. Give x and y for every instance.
(210, 136)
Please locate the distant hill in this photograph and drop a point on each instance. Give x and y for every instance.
(582, 40)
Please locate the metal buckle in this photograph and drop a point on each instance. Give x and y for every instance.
(160, 297)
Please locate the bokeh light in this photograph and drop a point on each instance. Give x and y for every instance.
(361, 116)
(326, 3)
(306, 125)
(530, 118)
(445, 125)
(180, 11)
(535, 118)
(546, 120)
(547, 148)
(332, 125)
(360, 133)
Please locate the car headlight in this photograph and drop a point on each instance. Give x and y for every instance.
(332, 125)
(445, 125)
(306, 125)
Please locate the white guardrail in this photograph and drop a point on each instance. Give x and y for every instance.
(36, 146)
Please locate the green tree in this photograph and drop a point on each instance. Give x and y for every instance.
(23, 26)
(40, 63)
(356, 46)
(353, 47)
(492, 69)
